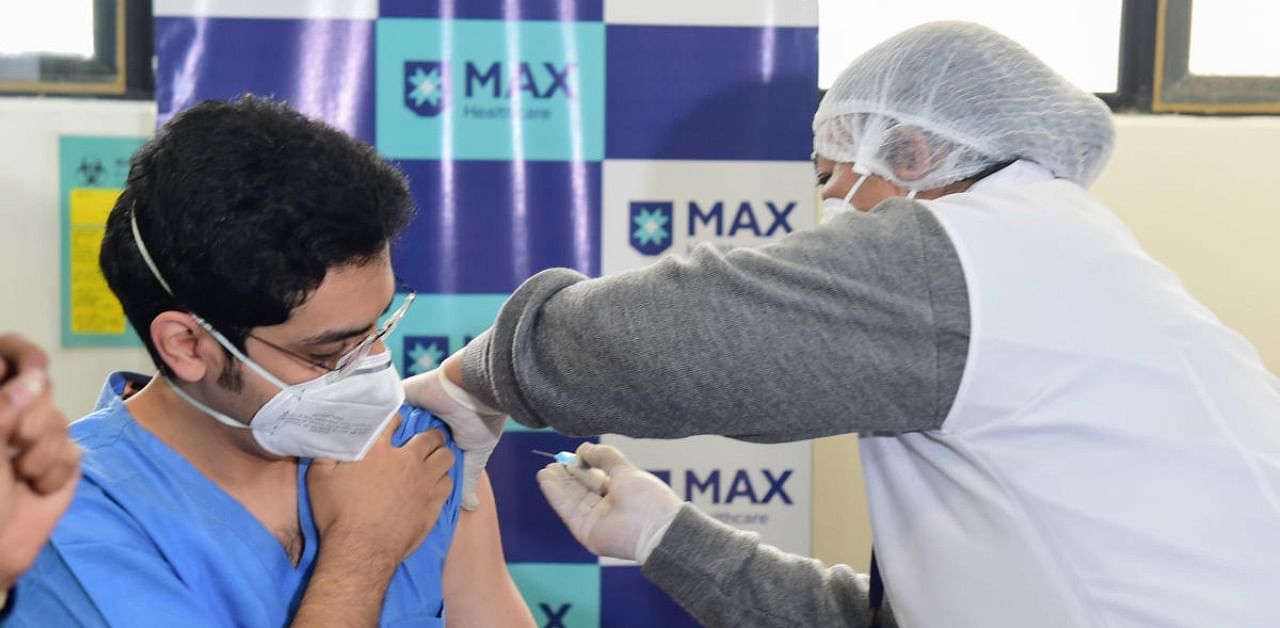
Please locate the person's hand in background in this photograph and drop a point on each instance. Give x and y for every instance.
(39, 475)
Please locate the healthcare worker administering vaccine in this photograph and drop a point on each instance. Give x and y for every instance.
(1055, 433)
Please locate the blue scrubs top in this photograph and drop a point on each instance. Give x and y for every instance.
(156, 543)
(50, 595)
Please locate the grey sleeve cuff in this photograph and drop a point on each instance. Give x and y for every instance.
(475, 369)
(488, 362)
(727, 577)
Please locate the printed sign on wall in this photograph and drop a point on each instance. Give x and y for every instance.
(92, 172)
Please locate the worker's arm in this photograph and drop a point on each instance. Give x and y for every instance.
(722, 576)
(861, 324)
(727, 577)
(475, 557)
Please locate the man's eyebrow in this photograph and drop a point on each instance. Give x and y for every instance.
(338, 335)
(332, 336)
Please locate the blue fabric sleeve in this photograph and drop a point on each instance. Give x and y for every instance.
(117, 567)
(49, 594)
(417, 421)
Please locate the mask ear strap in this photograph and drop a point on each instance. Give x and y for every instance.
(240, 355)
(912, 194)
(146, 255)
(218, 416)
(862, 173)
(848, 198)
(222, 340)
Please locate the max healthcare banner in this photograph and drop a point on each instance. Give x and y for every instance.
(598, 135)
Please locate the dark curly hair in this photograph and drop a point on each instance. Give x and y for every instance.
(244, 206)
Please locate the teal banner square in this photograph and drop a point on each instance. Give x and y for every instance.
(560, 594)
(437, 325)
(490, 90)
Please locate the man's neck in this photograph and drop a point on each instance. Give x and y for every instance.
(222, 453)
(266, 487)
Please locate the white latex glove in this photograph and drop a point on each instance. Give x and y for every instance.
(475, 426)
(612, 507)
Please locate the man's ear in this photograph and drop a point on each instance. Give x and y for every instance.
(909, 152)
(183, 345)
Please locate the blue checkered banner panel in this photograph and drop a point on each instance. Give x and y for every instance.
(598, 135)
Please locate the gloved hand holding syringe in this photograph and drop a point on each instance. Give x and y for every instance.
(611, 506)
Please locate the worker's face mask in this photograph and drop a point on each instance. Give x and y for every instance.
(337, 416)
(832, 207)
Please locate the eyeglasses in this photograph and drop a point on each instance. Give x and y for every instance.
(349, 361)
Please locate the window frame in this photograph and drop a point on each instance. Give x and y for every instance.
(119, 68)
(1177, 90)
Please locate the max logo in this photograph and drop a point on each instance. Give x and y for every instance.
(555, 617)
(741, 487)
(747, 218)
(424, 353)
(538, 80)
(650, 226)
(424, 87)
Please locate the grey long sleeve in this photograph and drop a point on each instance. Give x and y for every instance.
(726, 577)
(861, 324)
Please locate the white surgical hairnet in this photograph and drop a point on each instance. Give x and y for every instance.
(944, 101)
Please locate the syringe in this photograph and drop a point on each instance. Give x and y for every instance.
(566, 458)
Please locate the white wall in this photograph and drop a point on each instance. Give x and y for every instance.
(30, 249)
(1202, 196)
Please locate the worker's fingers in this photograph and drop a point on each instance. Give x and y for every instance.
(595, 480)
(603, 457)
(566, 495)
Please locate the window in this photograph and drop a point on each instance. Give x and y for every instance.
(1217, 57)
(52, 27)
(92, 47)
(1234, 38)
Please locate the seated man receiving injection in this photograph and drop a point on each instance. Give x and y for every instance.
(268, 475)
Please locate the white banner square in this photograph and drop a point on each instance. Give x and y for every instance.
(656, 208)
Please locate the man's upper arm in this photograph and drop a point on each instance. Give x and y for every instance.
(478, 590)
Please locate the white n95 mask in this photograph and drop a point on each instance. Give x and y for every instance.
(333, 417)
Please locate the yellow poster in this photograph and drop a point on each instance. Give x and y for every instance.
(94, 309)
(92, 172)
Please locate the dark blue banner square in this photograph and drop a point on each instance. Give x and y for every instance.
(628, 599)
(531, 531)
(323, 68)
(685, 92)
(486, 226)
